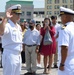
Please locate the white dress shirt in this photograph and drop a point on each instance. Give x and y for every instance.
(57, 28)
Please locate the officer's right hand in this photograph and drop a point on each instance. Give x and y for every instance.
(8, 13)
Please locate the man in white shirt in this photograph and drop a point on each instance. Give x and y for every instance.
(31, 42)
(11, 41)
(57, 28)
(66, 42)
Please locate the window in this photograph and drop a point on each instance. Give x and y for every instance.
(35, 12)
(38, 22)
(56, 6)
(49, 7)
(28, 13)
(65, 6)
(64, 1)
(71, 1)
(71, 6)
(49, 1)
(28, 20)
(23, 13)
(41, 12)
(55, 12)
(49, 12)
(57, 1)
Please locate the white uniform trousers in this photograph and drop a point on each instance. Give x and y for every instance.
(11, 62)
(31, 56)
(69, 66)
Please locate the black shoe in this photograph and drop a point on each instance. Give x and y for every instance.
(1, 67)
(48, 66)
(55, 66)
(28, 73)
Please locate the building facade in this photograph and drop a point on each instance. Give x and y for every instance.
(39, 15)
(52, 6)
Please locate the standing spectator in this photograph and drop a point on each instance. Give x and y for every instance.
(38, 27)
(48, 50)
(31, 42)
(57, 28)
(66, 42)
(11, 41)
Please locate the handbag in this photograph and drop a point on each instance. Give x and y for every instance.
(47, 38)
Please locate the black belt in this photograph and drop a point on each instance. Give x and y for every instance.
(30, 45)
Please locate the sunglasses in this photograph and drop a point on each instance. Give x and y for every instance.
(18, 14)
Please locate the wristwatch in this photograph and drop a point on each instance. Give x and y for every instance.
(61, 65)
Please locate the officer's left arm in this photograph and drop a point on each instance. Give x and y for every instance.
(64, 43)
(64, 50)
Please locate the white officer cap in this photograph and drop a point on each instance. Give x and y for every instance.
(64, 10)
(16, 8)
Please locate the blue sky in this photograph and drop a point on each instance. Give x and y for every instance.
(37, 4)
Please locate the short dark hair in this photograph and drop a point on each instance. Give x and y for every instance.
(37, 25)
(53, 17)
(49, 21)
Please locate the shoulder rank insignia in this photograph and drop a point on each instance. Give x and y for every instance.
(64, 26)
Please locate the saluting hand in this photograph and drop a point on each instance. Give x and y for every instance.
(8, 13)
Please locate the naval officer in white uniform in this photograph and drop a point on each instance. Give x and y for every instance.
(66, 42)
(11, 41)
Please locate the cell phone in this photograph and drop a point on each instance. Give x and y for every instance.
(46, 23)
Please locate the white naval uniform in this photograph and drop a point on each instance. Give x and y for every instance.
(31, 38)
(66, 38)
(12, 44)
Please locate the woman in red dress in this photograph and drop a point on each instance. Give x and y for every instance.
(48, 50)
